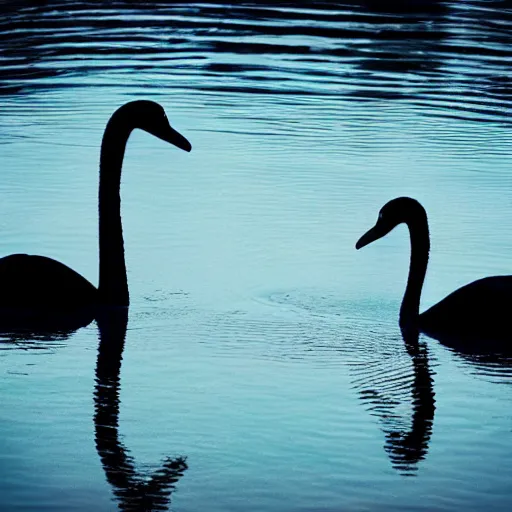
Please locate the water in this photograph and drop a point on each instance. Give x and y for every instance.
(262, 364)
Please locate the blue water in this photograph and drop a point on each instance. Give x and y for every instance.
(262, 366)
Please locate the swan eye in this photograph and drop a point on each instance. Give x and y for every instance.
(380, 216)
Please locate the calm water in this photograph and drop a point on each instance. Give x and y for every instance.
(262, 364)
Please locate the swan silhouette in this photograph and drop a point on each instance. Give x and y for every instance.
(42, 291)
(472, 318)
(384, 391)
(134, 489)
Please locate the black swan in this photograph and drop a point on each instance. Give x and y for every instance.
(478, 312)
(38, 288)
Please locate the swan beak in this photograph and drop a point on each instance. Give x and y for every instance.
(370, 236)
(174, 137)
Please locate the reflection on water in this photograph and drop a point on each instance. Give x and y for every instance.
(392, 372)
(431, 54)
(303, 118)
(135, 491)
(385, 389)
(395, 382)
(40, 330)
(411, 447)
(27, 339)
(492, 365)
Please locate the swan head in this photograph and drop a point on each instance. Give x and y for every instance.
(392, 214)
(151, 117)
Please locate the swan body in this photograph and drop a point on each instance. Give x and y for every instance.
(32, 281)
(35, 287)
(475, 313)
(480, 309)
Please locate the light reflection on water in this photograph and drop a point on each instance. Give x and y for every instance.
(261, 346)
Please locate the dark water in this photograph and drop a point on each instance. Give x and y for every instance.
(261, 367)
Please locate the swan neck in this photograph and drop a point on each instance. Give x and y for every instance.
(420, 247)
(113, 286)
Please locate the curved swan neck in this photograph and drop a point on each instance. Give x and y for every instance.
(420, 246)
(113, 286)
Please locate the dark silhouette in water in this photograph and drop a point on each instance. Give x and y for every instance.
(133, 491)
(406, 444)
(472, 319)
(40, 293)
(407, 449)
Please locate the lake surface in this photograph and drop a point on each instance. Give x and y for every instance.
(262, 364)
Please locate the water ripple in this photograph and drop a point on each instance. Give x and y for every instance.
(452, 59)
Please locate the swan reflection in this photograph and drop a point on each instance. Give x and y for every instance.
(492, 365)
(385, 389)
(133, 490)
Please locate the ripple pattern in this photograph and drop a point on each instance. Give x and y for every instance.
(450, 59)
